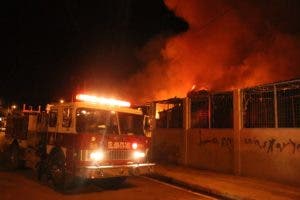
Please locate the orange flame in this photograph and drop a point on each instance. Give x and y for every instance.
(223, 49)
(193, 87)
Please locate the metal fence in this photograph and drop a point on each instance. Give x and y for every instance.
(222, 110)
(200, 111)
(288, 104)
(258, 104)
(273, 105)
(211, 110)
(170, 113)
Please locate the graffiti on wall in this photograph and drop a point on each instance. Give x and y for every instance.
(273, 144)
(222, 141)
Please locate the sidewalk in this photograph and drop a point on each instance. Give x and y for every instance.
(225, 186)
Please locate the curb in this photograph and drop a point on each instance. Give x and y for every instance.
(195, 188)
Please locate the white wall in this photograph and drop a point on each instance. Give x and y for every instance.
(168, 145)
(272, 154)
(266, 153)
(211, 149)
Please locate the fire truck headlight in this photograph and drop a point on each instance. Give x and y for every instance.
(97, 155)
(138, 155)
(134, 145)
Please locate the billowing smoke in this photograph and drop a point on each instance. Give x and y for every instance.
(228, 45)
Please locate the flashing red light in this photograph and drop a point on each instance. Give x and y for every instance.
(102, 100)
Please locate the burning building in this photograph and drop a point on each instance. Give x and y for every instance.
(253, 131)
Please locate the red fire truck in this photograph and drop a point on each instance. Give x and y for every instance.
(91, 138)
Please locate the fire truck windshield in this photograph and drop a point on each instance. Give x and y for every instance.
(96, 121)
(105, 122)
(131, 124)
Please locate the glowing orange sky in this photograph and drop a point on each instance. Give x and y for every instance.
(227, 46)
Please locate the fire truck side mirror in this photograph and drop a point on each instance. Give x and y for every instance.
(147, 126)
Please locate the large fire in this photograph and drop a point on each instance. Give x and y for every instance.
(228, 45)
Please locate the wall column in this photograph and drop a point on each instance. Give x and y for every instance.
(237, 126)
(152, 112)
(186, 127)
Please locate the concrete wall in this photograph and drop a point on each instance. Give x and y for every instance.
(211, 149)
(168, 145)
(272, 154)
(266, 153)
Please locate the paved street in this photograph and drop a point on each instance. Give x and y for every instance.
(23, 185)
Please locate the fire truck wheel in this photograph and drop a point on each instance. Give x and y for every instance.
(14, 161)
(41, 171)
(110, 183)
(56, 169)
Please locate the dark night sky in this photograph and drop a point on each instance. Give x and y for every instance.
(51, 48)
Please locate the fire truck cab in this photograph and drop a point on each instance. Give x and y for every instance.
(91, 138)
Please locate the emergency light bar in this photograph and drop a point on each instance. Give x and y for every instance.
(102, 100)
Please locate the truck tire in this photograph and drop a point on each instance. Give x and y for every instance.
(13, 157)
(56, 169)
(41, 171)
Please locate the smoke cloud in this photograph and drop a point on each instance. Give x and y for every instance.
(228, 45)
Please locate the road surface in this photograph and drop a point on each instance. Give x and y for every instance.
(23, 185)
